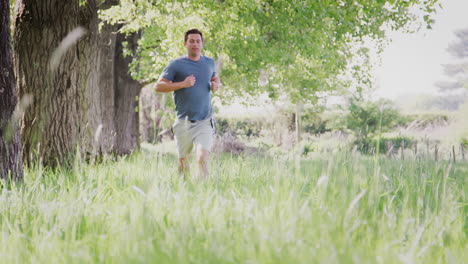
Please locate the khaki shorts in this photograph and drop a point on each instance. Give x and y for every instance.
(188, 133)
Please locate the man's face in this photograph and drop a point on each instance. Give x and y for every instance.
(194, 45)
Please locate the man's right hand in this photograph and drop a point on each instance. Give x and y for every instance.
(189, 81)
(166, 86)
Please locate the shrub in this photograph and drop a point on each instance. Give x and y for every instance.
(313, 123)
(369, 145)
(245, 127)
(464, 142)
(365, 119)
(422, 121)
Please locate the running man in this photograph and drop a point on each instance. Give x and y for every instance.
(191, 78)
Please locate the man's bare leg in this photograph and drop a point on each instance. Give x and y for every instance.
(183, 167)
(203, 163)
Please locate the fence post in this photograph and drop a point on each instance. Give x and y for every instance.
(415, 149)
(462, 149)
(453, 152)
(402, 148)
(436, 153)
(389, 149)
(427, 148)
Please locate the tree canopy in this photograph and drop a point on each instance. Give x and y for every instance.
(297, 48)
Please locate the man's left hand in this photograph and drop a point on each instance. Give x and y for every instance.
(214, 83)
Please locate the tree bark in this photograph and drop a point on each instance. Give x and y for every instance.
(10, 144)
(127, 91)
(149, 117)
(106, 48)
(51, 124)
(88, 83)
(86, 102)
(99, 82)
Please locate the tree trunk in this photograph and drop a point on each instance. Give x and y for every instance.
(101, 84)
(87, 98)
(149, 104)
(298, 122)
(98, 99)
(127, 91)
(51, 125)
(90, 92)
(10, 144)
(105, 138)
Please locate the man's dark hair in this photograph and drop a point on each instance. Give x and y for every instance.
(193, 31)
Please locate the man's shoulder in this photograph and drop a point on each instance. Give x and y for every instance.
(209, 59)
(176, 63)
(177, 60)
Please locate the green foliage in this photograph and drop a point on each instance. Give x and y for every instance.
(366, 119)
(240, 127)
(314, 123)
(464, 142)
(383, 144)
(307, 148)
(428, 120)
(292, 48)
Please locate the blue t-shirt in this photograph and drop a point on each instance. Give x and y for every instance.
(193, 103)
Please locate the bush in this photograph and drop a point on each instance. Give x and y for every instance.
(464, 142)
(423, 121)
(244, 128)
(313, 123)
(369, 145)
(365, 119)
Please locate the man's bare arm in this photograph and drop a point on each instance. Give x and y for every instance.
(166, 86)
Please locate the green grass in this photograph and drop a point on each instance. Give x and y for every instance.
(341, 209)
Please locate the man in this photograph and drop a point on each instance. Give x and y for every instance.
(191, 79)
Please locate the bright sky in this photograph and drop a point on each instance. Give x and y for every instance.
(412, 62)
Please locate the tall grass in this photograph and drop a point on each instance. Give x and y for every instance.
(253, 209)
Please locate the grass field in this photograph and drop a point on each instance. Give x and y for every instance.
(338, 209)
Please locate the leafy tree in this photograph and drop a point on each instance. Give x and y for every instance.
(300, 48)
(292, 48)
(286, 49)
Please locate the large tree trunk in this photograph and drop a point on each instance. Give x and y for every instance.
(89, 78)
(51, 125)
(87, 100)
(101, 84)
(10, 144)
(98, 94)
(106, 48)
(126, 94)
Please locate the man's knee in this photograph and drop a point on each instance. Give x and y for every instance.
(182, 163)
(202, 156)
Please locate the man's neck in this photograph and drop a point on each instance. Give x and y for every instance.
(194, 58)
